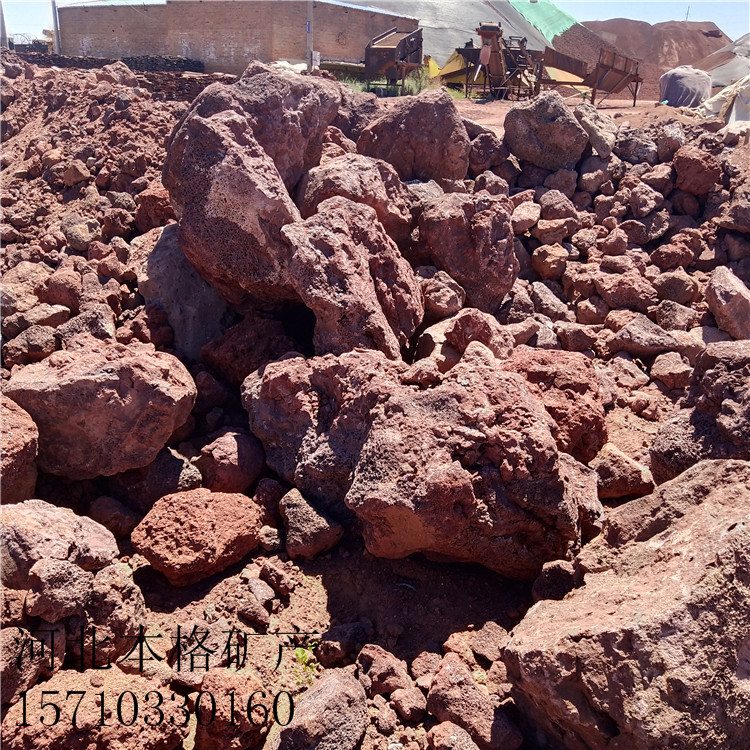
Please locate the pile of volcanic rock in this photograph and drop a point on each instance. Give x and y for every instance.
(389, 320)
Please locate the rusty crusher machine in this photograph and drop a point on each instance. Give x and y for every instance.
(503, 68)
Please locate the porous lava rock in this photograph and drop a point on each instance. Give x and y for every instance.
(20, 437)
(331, 715)
(190, 535)
(714, 418)
(88, 732)
(352, 276)
(454, 696)
(567, 384)
(362, 180)
(545, 132)
(346, 428)
(652, 650)
(423, 137)
(34, 530)
(102, 407)
(470, 238)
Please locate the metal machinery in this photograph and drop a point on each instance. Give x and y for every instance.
(612, 74)
(506, 67)
(392, 56)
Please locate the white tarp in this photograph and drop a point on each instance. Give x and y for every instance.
(684, 86)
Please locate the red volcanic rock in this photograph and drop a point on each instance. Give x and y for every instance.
(154, 209)
(20, 436)
(362, 180)
(88, 733)
(450, 736)
(423, 137)
(245, 347)
(472, 438)
(728, 299)
(285, 113)
(308, 532)
(331, 715)
(664, 593)
(58, 589)
(35, 530)
(191, 535)
(470, 238)
(454, 696)
(380, 672)
(568, 386)
(473, 325)
(544, 132)
(351, 275)
(102, 407)
(224, 731)
(231, 202)
(714, 418)
(232, 462)
(697, 170)
(442, 295)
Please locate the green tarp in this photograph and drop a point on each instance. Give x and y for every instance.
(545, 16)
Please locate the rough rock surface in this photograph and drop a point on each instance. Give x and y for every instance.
(190, 535)
(652, 650)
(362, 180)
(471, 239)
(568, 386)
(545, 132)
(423, 137)
(714, 418)
(729, 300)
(352, 276)
(20, 436)
(454, 696)
(332, 715)
(88, 732)
(491, 476)
(35, 530)
(101, 407)
(308, 532)
(232, 462)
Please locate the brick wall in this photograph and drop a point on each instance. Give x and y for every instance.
(224, 34)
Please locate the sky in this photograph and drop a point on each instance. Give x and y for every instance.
(731, 16)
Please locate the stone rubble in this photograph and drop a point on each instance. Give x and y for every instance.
(273, 350)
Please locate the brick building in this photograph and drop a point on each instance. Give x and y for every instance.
(225, 34)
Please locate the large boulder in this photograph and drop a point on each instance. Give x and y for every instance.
(35, 530)
(470, 237)
(194, 310)
(285, 113)
(478, 447)
(191, 535)
(331, 715)
(102, 407)
(423, 137)
(231, 201)
(652, 651)
(362, 180)
(20, 437)
(351, 275)
(714, 421)
(545, 132)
